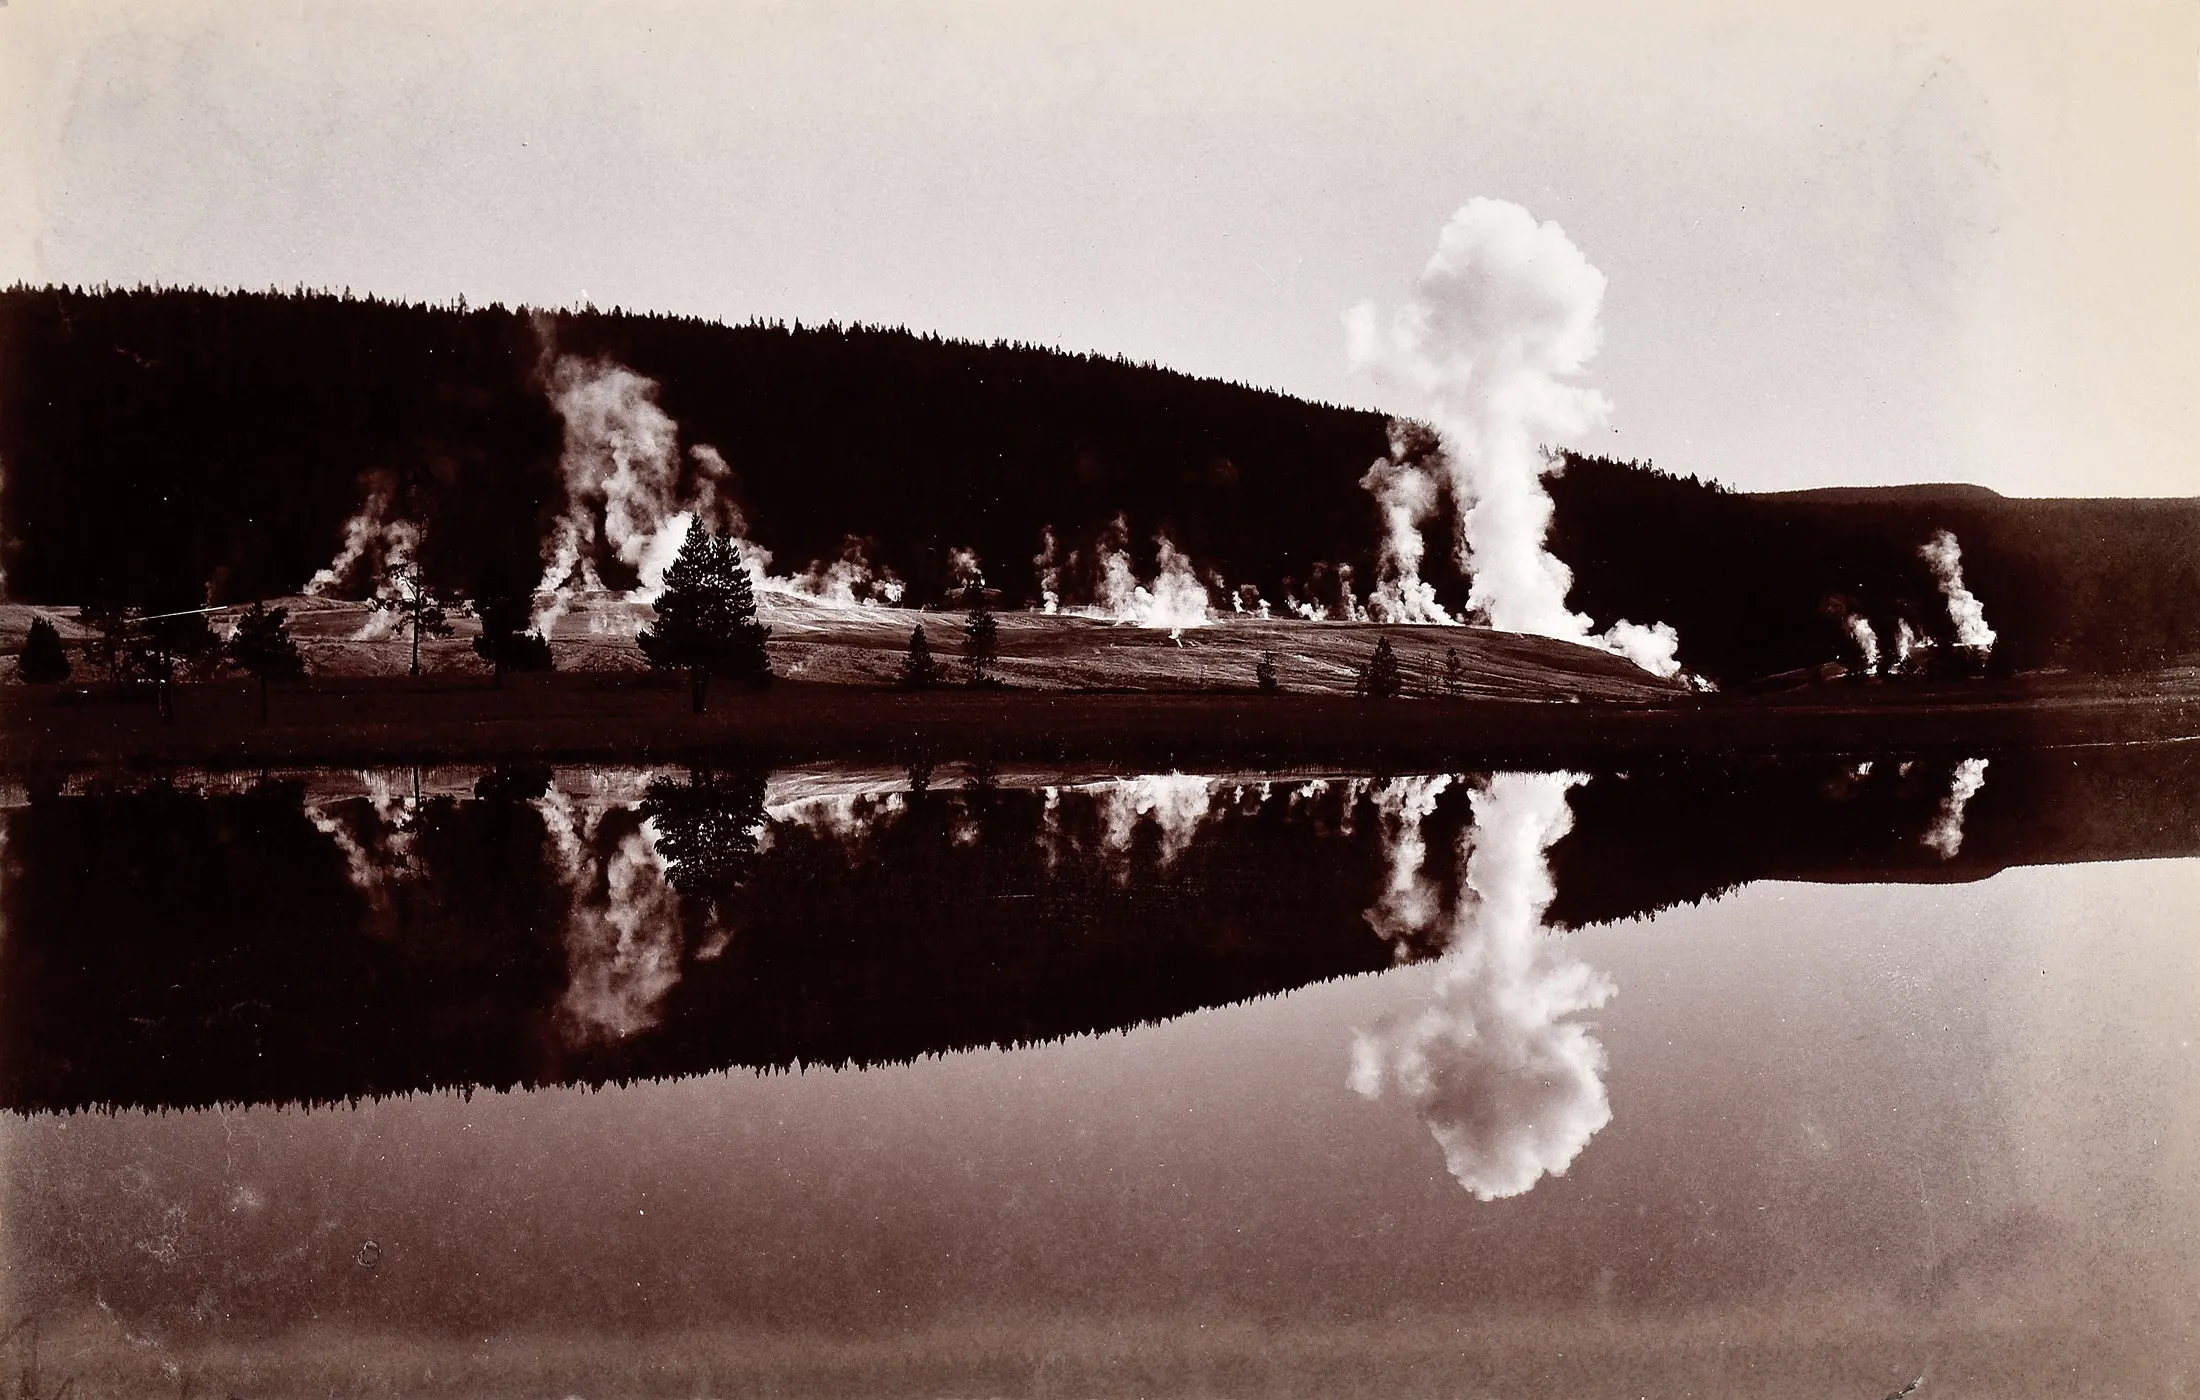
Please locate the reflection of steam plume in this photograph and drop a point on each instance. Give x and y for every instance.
(1510, 1088)
(1502, 321)
(379, 858)
(622, 929)
(1945, 557)
(1945, 836)
(1176, 803)
(1410, 901)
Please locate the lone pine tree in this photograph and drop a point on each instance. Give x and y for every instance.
(1381, 680)
(158, 643)
(506, 641)
(918, 670)
(706, 617)
(261, 645)
(981, 637)
(421, 606)
(42, 660)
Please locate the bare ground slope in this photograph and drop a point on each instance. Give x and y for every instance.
(827, 645)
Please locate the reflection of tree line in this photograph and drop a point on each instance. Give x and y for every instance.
(168, 946)
(1683, 831)
(172, 947)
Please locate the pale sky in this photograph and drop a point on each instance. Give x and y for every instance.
(1845, 242)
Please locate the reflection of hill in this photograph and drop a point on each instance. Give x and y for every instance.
(320, 940)
(167, 948)
(1655, 838)
(170, 949)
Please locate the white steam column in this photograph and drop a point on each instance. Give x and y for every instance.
(1493, 341)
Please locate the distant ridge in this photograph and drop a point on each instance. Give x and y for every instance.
(1919, 493)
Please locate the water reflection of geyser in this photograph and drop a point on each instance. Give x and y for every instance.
(1945, 836)
(1510, 1087)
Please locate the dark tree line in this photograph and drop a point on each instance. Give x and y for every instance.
(160, 442)
(155, 440)
(1758, 584)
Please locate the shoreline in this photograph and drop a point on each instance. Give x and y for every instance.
(340, 721)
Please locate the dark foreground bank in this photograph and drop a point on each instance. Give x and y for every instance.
(581, 718)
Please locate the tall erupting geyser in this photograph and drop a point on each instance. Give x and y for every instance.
(1493, 342)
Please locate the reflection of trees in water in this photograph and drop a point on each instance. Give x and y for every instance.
(173, 946)
(181, 947)
(706, 832)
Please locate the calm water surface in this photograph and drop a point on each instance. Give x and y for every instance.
(1789, 1081)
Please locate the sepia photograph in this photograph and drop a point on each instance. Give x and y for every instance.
(1144, 700)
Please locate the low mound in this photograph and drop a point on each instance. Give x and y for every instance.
(831, 645)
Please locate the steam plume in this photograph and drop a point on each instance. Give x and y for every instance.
(963, 567)
(1407, 492)
(1945, 836)
(621, 469)
(1945, 557)
(849, 581)
(626, 493)
(1502, 321)
(1176, 599)
(374, 537)
(1866, 638)
(1348, 599)
(1905, 646)
(1510, 1087)
(1047, 564)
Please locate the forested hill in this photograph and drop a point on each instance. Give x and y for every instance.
(1757, 583)
(156, 443)
(152, 439)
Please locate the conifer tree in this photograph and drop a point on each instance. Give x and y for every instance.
(158, 643)
(918, 670)
(43, 661)
(706, 617)
(981, 637)
(262, 646)
(423, 607)
(507, 641)
(1381, 679)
